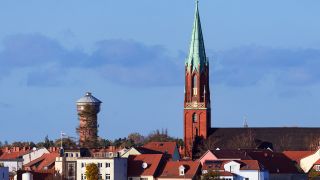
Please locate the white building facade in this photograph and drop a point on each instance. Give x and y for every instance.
(13, 164)
(241, 174)
(109, 168)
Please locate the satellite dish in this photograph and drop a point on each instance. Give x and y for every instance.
(34, 148)
(144, 165)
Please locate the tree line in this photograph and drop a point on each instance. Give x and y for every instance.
(132, 140)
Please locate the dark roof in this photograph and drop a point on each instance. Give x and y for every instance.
(279, 138)
(231, 154)
(275, 163)
(144, 150)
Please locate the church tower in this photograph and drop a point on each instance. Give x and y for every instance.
(197, 112)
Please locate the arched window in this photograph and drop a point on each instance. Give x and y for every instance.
(194, 81)
(194, 85)
(197, 132)
(194, 118)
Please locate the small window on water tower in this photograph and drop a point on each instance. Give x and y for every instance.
(194, 118)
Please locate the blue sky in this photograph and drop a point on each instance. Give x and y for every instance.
(264, 59)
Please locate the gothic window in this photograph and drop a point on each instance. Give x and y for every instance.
(194, 85)
(197, 132)
(194, 118)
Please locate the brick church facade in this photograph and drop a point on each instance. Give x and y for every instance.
(197, 113)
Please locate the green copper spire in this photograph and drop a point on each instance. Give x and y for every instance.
(197, 55)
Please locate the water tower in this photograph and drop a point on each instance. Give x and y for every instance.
(88, 107)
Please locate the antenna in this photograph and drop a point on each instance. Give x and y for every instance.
(245, 123)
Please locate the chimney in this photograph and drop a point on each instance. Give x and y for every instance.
(16, 149)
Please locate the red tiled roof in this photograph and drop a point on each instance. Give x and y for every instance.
(135, 164)
(317, 162)
(297, 155)
(219, 164)
(164, 147)
(44, 161)
(225, 173)
(13, 155)
(249, 165)
(171, 169)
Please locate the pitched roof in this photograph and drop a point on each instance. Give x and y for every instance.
(290, 138)
(231, 154)
(13, 155)
(171, 169)
(144, 150)
(135, 162)
(164, 147)
(297, 155)
(40, 163)
(244, 164)
(275, 162)
(250, 165)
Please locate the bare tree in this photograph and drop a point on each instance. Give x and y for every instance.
(245, 140)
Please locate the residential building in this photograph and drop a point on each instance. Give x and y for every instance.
(187, 170)
(13, 158)
(66, 163)
(44, 163)
(236, 169)
(114, 168)
(145, 166)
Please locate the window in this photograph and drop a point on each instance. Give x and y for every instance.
(82, 165)
(194, 118)
(108, 176)
(143, 178)
(194, 82)
(107, 164)
(246, 178)
(194, 85)
(99, 165)
(317, 167)
(83, 176)
(67, 154)
(100, 176)
(71, 154)
(197, 133)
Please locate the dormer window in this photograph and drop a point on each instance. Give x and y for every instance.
(182, 170)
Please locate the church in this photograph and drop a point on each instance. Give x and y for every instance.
(199, 135)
